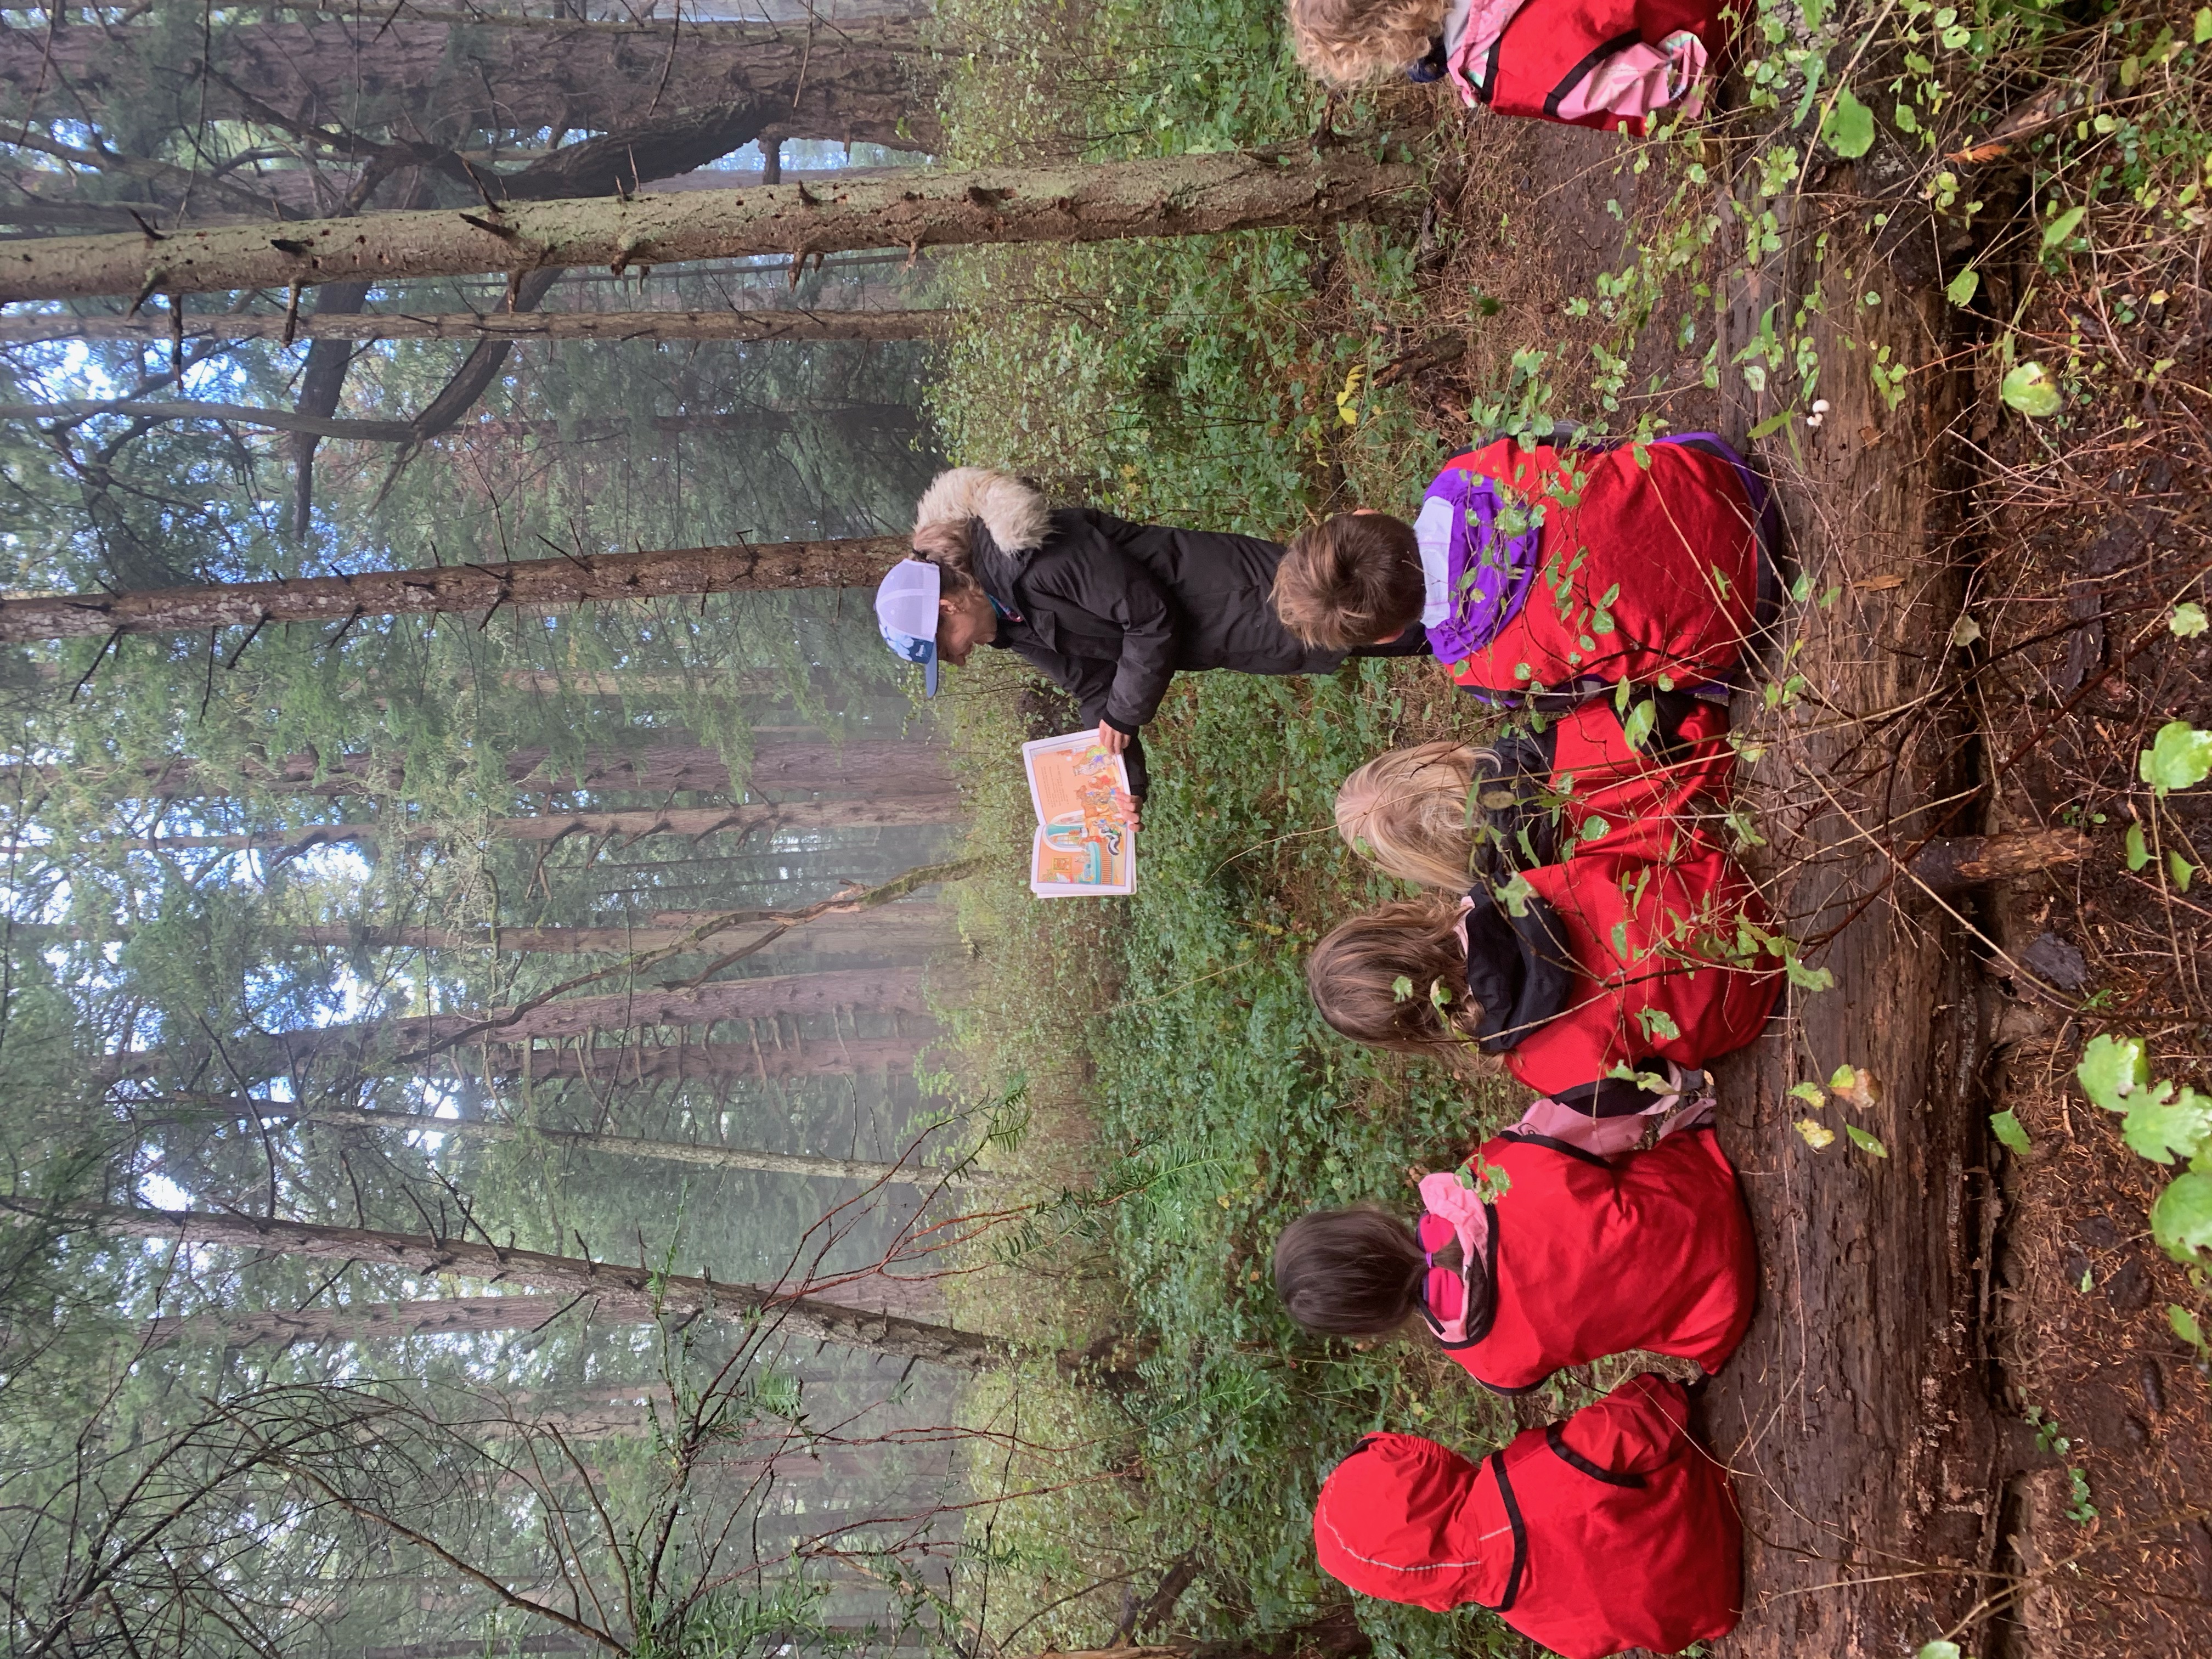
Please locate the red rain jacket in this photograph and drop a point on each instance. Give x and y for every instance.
(1609, 1531)
(1647, 954)
(1654, 571)
(1587, 1258)
(1644, 798)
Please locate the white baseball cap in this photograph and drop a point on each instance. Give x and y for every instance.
(906, 612)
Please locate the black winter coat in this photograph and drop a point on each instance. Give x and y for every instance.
(1111, 610)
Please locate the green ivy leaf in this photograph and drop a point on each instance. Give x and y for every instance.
(2185, 1325)
(2005, 1127)
(1962, 288)
(1809, 979)
(1849, 129)
(2063, 227)
(1658, 1023)
(1514, 896)
(2181, 1220)
(2188, 620)
(1402, 988)
(2030, 389)
(1865, 1142)
(2179, 757)
(1938, 1651)
(1641, 718)
(2180, 869)
(2111, 1069)
(1809, 1093)
(2138, 849)
(2157, 1128)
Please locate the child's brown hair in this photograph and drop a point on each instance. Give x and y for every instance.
(1345, 42)
(1352, 1273)
(1351, 580)
(1354, 973)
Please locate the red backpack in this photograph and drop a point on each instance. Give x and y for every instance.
(1611, 1530)
(1566, 60)
(1653, 574)
(1588, 1257)
(1633, 960)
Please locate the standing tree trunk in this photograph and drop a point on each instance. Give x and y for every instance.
(884, 931)
(808, 1318)
(762, 326)
(871, 81)
(1173, 196)
(372, 1043)
(537, 584)
(706, 1154)
(691, 821)
(612, 1065)
(912, 770)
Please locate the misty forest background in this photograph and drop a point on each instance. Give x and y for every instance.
(521, 1139)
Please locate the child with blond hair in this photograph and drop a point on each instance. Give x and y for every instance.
(1452, 815)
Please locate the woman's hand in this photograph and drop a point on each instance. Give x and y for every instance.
(1112, 742)
(1129, 807)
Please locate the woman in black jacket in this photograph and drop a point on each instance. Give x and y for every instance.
(1106, 610)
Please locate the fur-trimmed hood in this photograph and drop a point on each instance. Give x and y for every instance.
(1011, 509)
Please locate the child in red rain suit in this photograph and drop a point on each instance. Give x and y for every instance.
(1611, 1530)
(1610, 958)
(1543, 576)
(1608, 63)
(1453, 815)
(1571, 1245)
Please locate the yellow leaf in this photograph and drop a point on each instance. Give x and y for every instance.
(1818, 1135)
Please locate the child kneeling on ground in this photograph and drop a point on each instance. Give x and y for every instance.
(1611, 1530)
(1571, 1244)
(1543, 576)
(1608, 64)
(1453, 816)
(1574, 970)
(1108, 610)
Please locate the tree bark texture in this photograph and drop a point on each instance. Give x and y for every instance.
(1172, 196)
(883, 766)
(751, 326)
(705, 1154)
(798, 817)
(1952, 862)
(883, 931)
(610, 1066)
(867, 81)
(807, 1318)
(768, 996)
(543, 583)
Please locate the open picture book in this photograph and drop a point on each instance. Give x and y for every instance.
(1082, 847)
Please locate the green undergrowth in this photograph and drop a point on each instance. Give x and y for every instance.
(1228, 379)
(1185, 1103)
